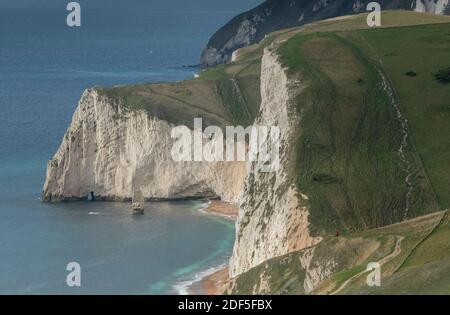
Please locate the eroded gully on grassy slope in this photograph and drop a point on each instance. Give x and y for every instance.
(390, 92)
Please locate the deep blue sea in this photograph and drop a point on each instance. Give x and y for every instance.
(44, 67)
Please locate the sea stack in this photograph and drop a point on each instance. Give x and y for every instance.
(137, 203)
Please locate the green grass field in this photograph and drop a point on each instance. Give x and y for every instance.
(426, 102)
(347, 153)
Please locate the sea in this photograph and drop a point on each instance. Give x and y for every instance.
(44, 67)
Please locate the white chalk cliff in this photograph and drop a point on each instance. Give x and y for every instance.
(431, 6)
(273, 215)
(113, 152)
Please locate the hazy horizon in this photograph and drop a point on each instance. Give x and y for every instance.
(130, 5)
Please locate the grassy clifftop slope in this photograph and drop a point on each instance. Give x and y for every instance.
(226, 95)
(373, 150)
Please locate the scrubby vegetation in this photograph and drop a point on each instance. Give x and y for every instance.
(443, 76)
(411, 73)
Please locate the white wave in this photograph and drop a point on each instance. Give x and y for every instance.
(182, 287)
(205, 206)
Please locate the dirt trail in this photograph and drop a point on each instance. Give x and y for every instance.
(397, 250)
(439, 224)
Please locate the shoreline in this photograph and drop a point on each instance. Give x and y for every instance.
(196, 285)
(222, 209)
(213, 280)
(212, 284)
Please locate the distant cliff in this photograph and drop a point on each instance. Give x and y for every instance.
(250, 27)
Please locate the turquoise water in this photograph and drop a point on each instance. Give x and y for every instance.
(44, 67)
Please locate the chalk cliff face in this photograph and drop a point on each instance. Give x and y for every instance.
(432, 6)
(272, 15)
(113, 152)
(273, 216)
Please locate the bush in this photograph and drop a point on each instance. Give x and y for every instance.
(411, 73)
(443, 76)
